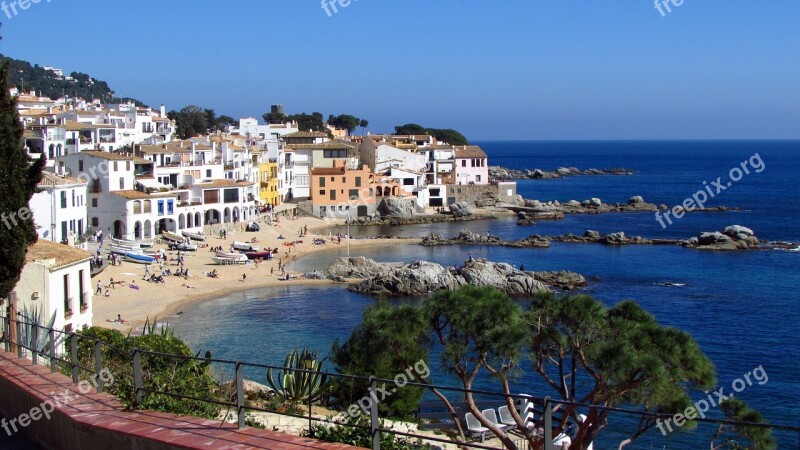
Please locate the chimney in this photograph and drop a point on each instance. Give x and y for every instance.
(163, 111)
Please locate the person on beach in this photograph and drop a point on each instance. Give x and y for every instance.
(271, 271)
(99, 287)
(111, 282)
(107, 294)
(244, 277)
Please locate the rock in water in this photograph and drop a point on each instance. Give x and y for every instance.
(397, 207)
(636, 200)
(460, 209)
(423, 277)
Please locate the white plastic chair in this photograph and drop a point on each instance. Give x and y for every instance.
(475, 428)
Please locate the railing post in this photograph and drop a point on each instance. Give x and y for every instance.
(7, 331)
(310, 425)
(98, 365)
(548, 424)
(374, 423)
(240, 411)
(34, 342)
(53, 362)
(19, 337)
(73, 353)
(11, 315)
(137, 377)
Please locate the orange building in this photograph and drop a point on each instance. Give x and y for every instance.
(339, 192)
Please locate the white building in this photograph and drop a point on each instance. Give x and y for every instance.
(174, 190)
(250, 127)
(59, 209)
(57, 279)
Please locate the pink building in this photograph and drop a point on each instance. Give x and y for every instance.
(471, 165)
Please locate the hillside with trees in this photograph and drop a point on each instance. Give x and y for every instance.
(31, 77)
(447, 135)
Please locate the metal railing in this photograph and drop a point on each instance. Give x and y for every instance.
(555, 416)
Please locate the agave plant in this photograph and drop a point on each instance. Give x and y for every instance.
(155, 328)
(39, 335)
(299, 386)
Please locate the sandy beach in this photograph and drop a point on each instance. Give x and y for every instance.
(136, 300)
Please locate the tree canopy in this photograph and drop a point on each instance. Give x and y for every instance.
(19, 177)
(193, 120)
(448, 135)
(575, 347)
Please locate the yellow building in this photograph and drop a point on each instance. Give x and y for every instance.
(268, 183)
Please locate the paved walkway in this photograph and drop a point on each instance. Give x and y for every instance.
(105, 413)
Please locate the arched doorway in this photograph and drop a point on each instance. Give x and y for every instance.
(213, 216)
(119, 229)
(189, 220)
(181, 221)
(197, 220)
(148, 229)
(137, 230)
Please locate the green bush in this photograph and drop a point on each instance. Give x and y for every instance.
(357, 432)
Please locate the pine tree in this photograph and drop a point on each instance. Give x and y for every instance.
(18, 180)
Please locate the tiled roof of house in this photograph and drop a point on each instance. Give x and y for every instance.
(328, 171)
(306, 134)
(51, 179)
(470, 151)
(225, 183)
(115, 156)
(63, 254)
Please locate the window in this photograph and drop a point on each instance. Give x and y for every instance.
(463, 163)
(73, 198)
(408, 181)
(358, 181)
(115, 165)
(322, 192)
(435, 192)
(321, 181)
(477, 178)
(334, 154)
(353, 194)
(472, 161)
(122, 183)
(67, 299)
(95, 222)
(63, 199)
(332, 178)
(208, 173)
(170, 205)
(161, 207)
(333, 194)
(80, 165)
(81, 292)
(127, 166)
(231, 196)
(344, 179)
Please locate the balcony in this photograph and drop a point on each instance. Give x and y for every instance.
(84, 304)
(85, 140)
(68, 307)
(96, 187)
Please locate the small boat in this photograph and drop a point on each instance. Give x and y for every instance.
(172, 236)
(245, 246)
(222, 254)
(253, 227)
(123, 250)
(259, 255)
(130, 243)
(226, 261)
(139, 258)
(183, 246)
(194, 235)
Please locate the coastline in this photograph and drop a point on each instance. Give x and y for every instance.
(137, 300)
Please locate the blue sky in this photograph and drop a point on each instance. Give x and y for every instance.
(507, 69)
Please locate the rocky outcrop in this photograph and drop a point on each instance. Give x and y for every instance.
(423, 277)
(397, 207)
(502, 173)
(464, 237)
(564, 280)
(460, 209)
(734, 237)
